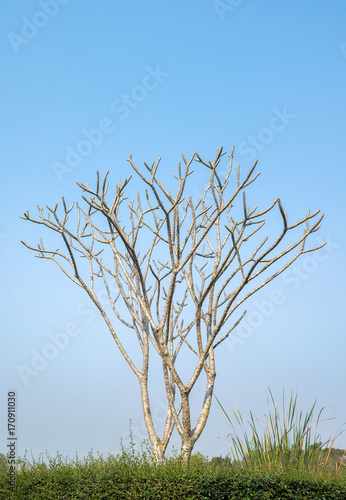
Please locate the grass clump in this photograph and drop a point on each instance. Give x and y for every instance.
(288, 441)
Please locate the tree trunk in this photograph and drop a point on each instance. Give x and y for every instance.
(158, 446)
(186, 450)
(159, 453)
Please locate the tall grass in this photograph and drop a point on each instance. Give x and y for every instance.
(286, 441)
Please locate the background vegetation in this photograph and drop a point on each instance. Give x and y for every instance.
(285, 460)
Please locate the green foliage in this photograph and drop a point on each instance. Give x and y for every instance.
(3, 462)
(135, 476)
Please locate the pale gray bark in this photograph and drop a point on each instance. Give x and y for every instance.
(167, 254)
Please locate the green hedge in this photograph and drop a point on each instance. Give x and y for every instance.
(116, 478)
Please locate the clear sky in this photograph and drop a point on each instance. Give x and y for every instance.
(162, 79)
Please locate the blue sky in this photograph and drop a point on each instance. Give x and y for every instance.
(161, 79)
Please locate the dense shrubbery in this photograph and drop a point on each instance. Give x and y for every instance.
(134, 476)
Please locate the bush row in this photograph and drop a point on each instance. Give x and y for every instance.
(116, 478)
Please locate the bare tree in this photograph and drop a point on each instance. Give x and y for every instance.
(182, 270)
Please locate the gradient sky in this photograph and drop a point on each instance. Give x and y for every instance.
(162, 79)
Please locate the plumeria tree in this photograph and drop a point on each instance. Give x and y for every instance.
(183, 269)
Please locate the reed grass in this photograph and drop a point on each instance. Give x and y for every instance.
(286, 441)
